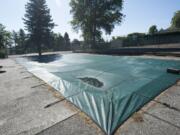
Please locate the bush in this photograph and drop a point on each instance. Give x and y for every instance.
(102, 46)
(3, 53)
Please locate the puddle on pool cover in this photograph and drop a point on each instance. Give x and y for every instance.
(92, 81)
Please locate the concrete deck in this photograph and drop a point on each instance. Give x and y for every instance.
(22, 102)
(23, 98)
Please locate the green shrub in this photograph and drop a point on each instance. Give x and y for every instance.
(3, 53)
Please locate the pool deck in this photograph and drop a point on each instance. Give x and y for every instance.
(23, 101)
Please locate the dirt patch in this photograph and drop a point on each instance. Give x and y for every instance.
(55, 93)
(137, 117)
(90, 122)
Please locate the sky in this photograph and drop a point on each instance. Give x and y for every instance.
(139, 15)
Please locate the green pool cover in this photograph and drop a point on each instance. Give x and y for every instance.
(107, 88)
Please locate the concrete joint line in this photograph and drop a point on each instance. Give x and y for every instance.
(51, 104)
(38, 85)
(27, 77)
(156, 117)
(57, 123)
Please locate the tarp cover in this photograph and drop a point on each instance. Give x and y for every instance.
(107, 88)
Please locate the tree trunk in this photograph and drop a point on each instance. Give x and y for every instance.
(39, 50)
(94, 26)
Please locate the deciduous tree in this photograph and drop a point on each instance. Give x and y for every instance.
(153, 29)
(93, 16)
(5, 40)
(175, 23)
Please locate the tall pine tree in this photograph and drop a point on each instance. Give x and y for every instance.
(67, 44)
(38, 23)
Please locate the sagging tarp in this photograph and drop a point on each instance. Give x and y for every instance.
(107, 88)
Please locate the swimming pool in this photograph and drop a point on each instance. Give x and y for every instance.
(107, 88)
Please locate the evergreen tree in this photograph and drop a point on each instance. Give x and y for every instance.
(67, 44)
(20, 40)
(15, 38)
(58, 42)
(39, 23)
